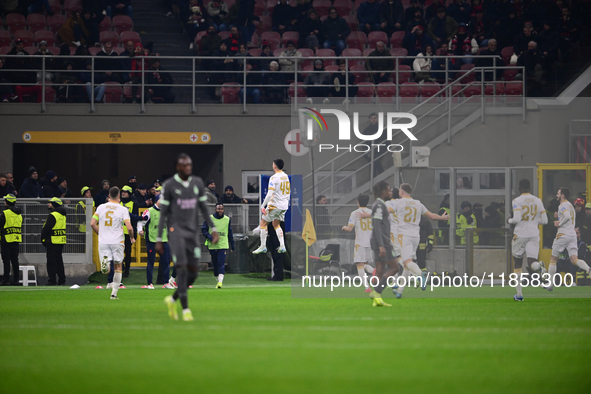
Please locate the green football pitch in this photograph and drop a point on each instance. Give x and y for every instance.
(253, 337)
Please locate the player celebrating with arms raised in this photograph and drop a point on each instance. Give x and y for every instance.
(111, 217)
(528, 212)
(276, 203)
(362, 255)
(566, 237)
(408, 212)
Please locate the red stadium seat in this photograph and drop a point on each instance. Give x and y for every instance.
(25, 35)
(255, 52)
(5, 39)
(494, 89)
(462, 75)
(366, 89)
(473, 93)
(309, 56)
(396, 39)
(307, 70)
(198, 37)
(110, 36)
(5, 50)
(230, 91)
(264, 25)
(404, 74)
(409, 91)
(326, 53)
(105, 24)
(385, 92)
(506, 54)
(399, 52)
(72, 5)
(36, 22)
(271, 6)
(118, 50)
(55, 22)
(322, 6)
(366, 52)
(230, 3)
(113, 92)
(514, 88)
(510, 73)
(375, 36)
(94, 50)
(333, 68)
(357, 39)
(54, 50)
(352, 22)
(56, 7)
(255, 40)
(301, 91)
(127, 93)
(430, 89)
(224, 35)
(277, 51)
(15, 22)
(45, 35)
(122, 23)
(343, 7)
(259, 7)
(359, 75)
(130, 36)
(353, 52)
(273, 38)
(31, 50)
(290, 36)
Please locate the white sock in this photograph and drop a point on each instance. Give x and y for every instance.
(186, 310)
(535, 266)
(279, 233)
(220, 278)
(361, 273)
(406, 274)
(582, 265)
(518, 287)
(414, 268)
(264, 236)
(116, 283)
(368, 268)
(552, 271)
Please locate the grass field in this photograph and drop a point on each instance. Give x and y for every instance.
(253, 337)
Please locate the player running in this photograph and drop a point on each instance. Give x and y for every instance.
(408, 212)
(363, 254)
(274, 207)
(180, 197)
(566, 237)
(528, 213)
(112, 216)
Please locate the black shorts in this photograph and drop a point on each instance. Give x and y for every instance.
(390, 255)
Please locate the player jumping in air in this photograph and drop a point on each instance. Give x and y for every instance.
(407, 212)
(362, 255)
(181, 195)
(111, 217)
(528, 213)
(274, 207)
(566, 237)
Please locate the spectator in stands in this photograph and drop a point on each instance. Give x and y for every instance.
(287, 57)
(368, 16)
(31, 187)
(119, 7)
(62, 185)
(310, 31)
(274, 94)
(319, 81)
(67, 88)
(233, 41)
(245, 18)
(478, 29)
(102, 195)
(413, 16)
(92, 21)
(10, 183)
(126, 58)
(37, 6)
(521, 42)
(339, 81)
(155, 79)
(252, 78)
(230, 198)
(141, 196)
(422, 65)
(438, 65)
(282, 17)
(300, 12)
(569, 30)
(533, 60)
(49, 62)
(416, 40)
(139, 66)
(50, 186)
(73, 32)
(477, 6)
(210, 190)
(548, 43)
(460, 10)
(335, 31)
(391, 16)
(432, 10)
(225, 64)
(6, 91)
(107, 60)
(217, 10)
(463, 44)
(24, 75)
(210, 43)
(195, 23)
(481, 61)
(507, 29)
(442, 28)
(132, 182)
(3, 185)
(494, 10)
(86, 78)
(265, 64)
(381, 61)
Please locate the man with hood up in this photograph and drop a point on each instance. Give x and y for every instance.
(101, 197)
(317, 81)
(31, 187)
(465, 219)
(11, 222)
(53, 237)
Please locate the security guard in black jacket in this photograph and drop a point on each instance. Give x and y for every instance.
(53, 237)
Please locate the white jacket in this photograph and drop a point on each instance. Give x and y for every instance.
(422, 63)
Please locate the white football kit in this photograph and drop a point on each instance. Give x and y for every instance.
(408, 212)
(528, 213)
(111, 218)
(363, 252)
(279, 203)
(393, 227)
(566, 237)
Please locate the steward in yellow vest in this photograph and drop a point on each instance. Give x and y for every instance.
(81, 209)
(11, 222)
(443, 231)
(466, 219)
(219, 250)
(53, 237)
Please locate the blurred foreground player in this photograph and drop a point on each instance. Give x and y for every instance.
(111, 217)
(181, 195)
